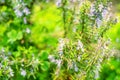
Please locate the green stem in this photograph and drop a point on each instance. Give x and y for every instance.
(64, 16)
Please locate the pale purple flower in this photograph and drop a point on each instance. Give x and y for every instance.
(96, 74)
(80, 46)
(18, 13)
(25, 20)
(98, 22)
(11, 72)
(96, 71)
(76, 68)
(58, 62)
(58, 3)
(92, 10)
(26, 11)
(104, 13)
(23, 72)
(61, 46)
(51, 58)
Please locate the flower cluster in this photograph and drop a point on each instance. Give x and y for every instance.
(26, 66)
(100, 13)
(86, 49)
(58, 3)
(21, 9)
(80, 46)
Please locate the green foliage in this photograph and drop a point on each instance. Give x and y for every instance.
(111, 70)
(115, 35)
(43, 41)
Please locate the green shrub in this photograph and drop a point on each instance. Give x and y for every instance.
(29, 44)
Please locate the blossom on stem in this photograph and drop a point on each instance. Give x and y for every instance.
(26, 11)
(18, 13)
(61, 46)
(58, 62)
(11, 72)
(80, 46)
(98, 22)
(58, 3)
(28, 30)
(23, 72)
(51, 58)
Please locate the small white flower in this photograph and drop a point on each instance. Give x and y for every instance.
(25, 20)
(23, 72)
(98, 22)
(76, 68)
(92, 10)
(11, 72)
(18, 13)
(58, 62)
(28, 30)
(61, 46)
(80, 46)
(79, 57)
(104, 13)
(3, 50)
(51, 58)
(26, 11)
(58, 3)
(96, 74)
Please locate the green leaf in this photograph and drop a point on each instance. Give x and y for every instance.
(44, 55)
(16, 54)
(45, 65)
(19, 35)
(12, 35)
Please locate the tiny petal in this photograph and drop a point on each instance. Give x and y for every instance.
(26, 11)
(28, 30)
(23, 72)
